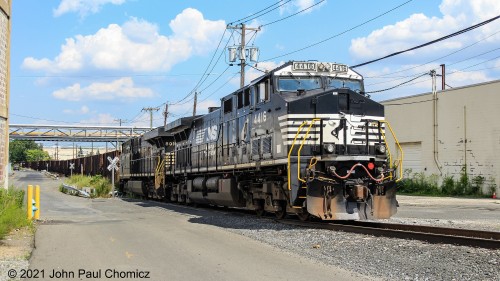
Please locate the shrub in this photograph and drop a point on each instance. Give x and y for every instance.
(418, 183)
(448, 185)
(101, 185)
(476, 186)
(12, 213)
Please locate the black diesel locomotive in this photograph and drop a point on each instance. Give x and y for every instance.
(302, 139)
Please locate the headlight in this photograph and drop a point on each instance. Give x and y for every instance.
(330, 148)
(381, 149)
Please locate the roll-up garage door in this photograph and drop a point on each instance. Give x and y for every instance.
(412, 156)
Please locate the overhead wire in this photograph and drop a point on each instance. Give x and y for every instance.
(399, 78)
(440, 58)
(225, 83)
(268, 7)
(294, 14)
(267, 12)
(401, 84)
(206, 69)
(408, 83)
(341, 33)
(430, 42)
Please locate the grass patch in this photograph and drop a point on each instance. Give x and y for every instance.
(12, 211)
(464, 186)
(101, 185)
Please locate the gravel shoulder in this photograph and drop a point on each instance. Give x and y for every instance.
(379, 257)
(465, 213)
(15, 251)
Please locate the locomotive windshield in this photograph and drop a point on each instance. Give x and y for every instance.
(337, 83)
(294, 84)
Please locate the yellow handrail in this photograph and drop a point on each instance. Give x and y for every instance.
(300, 148)
(159, 171)
(290, 152)
(400, 160)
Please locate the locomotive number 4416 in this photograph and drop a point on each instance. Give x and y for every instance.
(260, 117)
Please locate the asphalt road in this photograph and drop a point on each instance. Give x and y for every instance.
(82, 239)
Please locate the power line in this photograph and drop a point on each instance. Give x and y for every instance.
(399, 78)
(218, 77)
(268, 7)
(431, 42)
(267, 12)
(225, 83)
(42, 119)
(407, 83)
(341, 33)
(301, 11)
(206, 69)
(440, 58)
(470, 66)
(401, 84)
(107, 76)
(473, 57)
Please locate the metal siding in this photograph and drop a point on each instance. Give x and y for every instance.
(468, 130)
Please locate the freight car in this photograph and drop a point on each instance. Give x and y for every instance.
(302, 139)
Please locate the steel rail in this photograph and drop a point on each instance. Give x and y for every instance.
(430, 234)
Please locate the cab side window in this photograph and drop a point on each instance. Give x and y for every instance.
(263, 91)
(228, 105)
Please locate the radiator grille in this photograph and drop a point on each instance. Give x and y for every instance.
(256, 147)
(267, 145)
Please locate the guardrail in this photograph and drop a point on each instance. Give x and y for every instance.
(50, 175)
(75, 191)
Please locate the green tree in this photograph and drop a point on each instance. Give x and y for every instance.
(36, 155)
(19, 148)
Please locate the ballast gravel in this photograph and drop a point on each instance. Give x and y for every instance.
(385, 258)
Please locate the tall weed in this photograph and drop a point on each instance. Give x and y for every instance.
(12, 213)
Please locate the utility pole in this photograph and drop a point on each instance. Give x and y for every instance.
(443, 78)
(119, 120)
(165, 115)
(195, 101)
(242, 71)
(242, 49)
(151, 109)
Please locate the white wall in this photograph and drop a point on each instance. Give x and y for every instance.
(468, 129)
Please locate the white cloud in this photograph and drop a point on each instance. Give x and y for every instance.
(122, 89)
(299, 5)
(187, 109)
(83, 7)
(419, 28)
(101, 119)
(137, 45)
(462, 78)
(83, 110)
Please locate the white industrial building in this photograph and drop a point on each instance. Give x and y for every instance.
(442, 134)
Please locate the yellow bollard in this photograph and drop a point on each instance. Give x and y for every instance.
(37, 204)
(29, 201)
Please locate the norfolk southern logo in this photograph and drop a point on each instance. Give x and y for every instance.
(206, 134)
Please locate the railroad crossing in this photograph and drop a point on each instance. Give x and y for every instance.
(74, 133)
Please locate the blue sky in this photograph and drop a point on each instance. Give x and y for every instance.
(95, 61)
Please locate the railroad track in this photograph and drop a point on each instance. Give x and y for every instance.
(431, 234)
